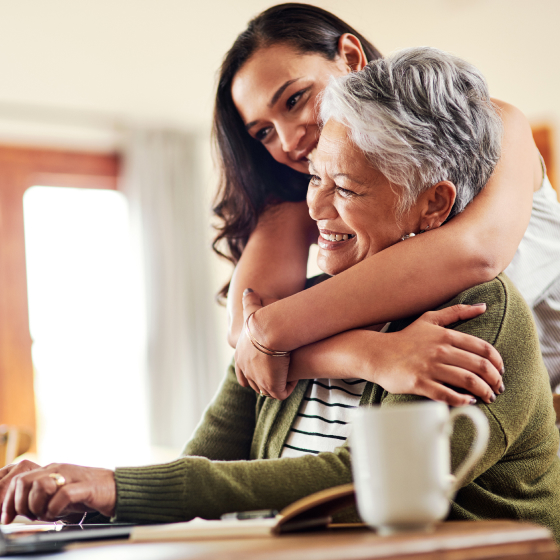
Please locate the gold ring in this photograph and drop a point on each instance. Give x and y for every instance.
(58, 479)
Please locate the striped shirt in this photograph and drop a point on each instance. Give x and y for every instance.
(323, 421)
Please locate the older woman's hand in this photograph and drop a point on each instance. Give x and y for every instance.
(8, 472)
(267, 375)
(58, 490)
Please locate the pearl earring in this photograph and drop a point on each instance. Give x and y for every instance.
(409, 235)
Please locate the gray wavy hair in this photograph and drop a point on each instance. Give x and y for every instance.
(420, 116)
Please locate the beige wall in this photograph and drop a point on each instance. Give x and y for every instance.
(73, 71)
(156, 60)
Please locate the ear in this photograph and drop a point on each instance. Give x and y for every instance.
(436, 204)
(351, 51)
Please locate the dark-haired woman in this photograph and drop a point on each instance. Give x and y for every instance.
(265, 126)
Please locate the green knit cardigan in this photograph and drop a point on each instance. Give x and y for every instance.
(232, 462)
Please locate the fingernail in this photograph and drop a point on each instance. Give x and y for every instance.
(479, 305)
(501, 389)
(247, 291)
(502, 371)
(492, 397)
(472, 401)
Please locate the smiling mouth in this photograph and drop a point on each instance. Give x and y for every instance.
(336, 236)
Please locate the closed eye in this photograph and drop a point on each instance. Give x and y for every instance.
(315, 180)
(345, 193)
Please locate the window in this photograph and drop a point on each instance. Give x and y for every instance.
(87, 326)
(21, 168)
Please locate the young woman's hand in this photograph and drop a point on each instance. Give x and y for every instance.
(428, 360)
(423, 359)
(58, 490)
(267, 375)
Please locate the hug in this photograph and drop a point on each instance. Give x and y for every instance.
(406, 145)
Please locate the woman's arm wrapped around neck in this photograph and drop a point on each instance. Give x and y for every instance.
(414, 276)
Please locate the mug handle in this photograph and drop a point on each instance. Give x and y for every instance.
(478, 446)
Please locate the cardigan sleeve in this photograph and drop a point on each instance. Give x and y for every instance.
(197, 487)
(226, 429)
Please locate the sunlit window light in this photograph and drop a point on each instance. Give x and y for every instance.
(88, 327)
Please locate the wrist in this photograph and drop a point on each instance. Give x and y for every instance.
(363, 357)
(111, 505)
(349, 355)
(267, 329)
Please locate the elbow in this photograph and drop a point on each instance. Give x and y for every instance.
(487, 270)
(483, 264)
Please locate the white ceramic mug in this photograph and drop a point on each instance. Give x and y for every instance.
(401, 463)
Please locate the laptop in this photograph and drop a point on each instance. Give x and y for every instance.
(52, 537)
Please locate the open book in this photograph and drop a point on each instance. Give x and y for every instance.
(315, 510)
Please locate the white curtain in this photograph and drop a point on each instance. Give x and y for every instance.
(162, 182)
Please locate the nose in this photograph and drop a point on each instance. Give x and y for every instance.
(320, 203)
(290, 136)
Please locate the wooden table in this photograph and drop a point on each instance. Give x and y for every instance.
(460, 540)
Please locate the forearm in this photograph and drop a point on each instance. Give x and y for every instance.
(274, 262)
(472, 248)
(342, 356)
(196, 487)
(383, 282)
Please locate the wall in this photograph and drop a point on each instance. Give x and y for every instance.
(156, 59)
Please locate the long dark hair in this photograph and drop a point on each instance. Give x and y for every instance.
(250, 178)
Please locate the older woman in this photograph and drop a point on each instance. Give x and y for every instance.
(407, 144)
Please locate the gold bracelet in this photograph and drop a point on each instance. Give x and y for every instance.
(260, 347)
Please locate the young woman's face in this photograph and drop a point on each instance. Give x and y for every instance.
(276, 93)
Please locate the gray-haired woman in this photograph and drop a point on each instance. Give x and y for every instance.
(399, 138)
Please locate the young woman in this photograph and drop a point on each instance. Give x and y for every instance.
(266, 126)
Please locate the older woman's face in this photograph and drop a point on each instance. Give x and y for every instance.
(353, 203)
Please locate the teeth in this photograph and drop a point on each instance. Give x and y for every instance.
(336, 236)
(311, 154)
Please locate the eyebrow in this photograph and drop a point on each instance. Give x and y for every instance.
(274, 99)
(348, 176)
(313, 171)
(280, 91)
